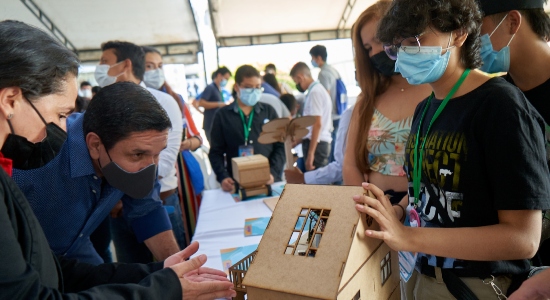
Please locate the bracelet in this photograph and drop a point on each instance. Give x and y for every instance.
(404, 212)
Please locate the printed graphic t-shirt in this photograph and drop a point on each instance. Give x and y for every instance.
(485, 152)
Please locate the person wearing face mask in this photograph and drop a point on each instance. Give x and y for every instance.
(383, 114)
(37, 91)
(236, 129)
(474, 215)
(188, 173)
(85, 90)
(515, 36)
(212, 98)
(316, 144)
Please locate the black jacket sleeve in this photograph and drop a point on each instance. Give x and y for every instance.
(217, 147)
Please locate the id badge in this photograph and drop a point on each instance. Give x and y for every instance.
(407, 260)
(246, 150)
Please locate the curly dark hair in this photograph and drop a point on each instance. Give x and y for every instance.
(408, 18)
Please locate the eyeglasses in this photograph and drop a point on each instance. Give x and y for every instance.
(409, 45)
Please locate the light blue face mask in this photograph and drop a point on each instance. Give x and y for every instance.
(423, 64)
(250, 97)
(495, 61)
(314, 64)
(223, 83)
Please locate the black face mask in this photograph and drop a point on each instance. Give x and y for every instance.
(384, 64)
(26, 155)
(299, 88)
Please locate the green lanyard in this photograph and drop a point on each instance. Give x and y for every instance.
(417, 173)
(246, 128)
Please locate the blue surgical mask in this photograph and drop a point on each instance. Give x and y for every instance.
(223, 83)
(314, 64)
(154, 78)
(494, 61)
(102, 76)
(250, 97)
(425, 66)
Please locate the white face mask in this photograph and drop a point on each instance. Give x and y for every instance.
(154, 78)
(102, 77)
(85, 93)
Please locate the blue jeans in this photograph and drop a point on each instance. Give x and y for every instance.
(129, 250)
(335, 125)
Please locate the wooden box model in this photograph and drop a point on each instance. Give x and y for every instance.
(252, 173)
(315, 248)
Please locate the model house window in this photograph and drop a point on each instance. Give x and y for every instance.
(357, 296)
(308, 231)
(385, 268)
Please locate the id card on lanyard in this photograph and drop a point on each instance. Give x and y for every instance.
(407, 260)
(246, 149)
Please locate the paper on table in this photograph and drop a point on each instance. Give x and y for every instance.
(231, 256)
(255, 226)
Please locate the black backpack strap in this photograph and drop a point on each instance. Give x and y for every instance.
(456, 286)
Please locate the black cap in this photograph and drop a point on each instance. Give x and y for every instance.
(491, 7)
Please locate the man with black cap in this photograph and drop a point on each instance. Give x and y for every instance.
(514, 39)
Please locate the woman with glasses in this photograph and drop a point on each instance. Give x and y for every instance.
(382, 118)
(236, 129)
(475, 160)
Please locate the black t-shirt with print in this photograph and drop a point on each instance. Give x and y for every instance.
(484, 153)
(539, 97)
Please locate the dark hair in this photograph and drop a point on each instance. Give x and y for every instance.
(537, 19)
(272, 81)
(319, 50)
(300, 68)
(122, 108)
(408, 18)
(270, 66)
(244, 71)
(96, 89)
(371, 81)
(133, 52)
(222, 71)
(81, 104)
(33, 60)
(85, 83)
(147, 49)
(290, 101)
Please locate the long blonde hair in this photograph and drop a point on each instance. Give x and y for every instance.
(372, 83)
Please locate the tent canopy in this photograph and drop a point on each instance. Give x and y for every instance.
(252, 22)
(167, 25)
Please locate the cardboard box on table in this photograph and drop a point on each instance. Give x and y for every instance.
(252, 173)
(345, 265)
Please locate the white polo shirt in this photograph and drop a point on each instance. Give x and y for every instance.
(318, 103)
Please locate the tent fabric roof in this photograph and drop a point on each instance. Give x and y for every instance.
(168, 25)
(251, 22)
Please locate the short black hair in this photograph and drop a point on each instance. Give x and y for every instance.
(122, 108)
(222, 71)
(80, 104)
(272, 81)
(407, 18)
(290, 101)
(148, 49)
(319, 50)
(126, 50)
(244, 71)
(298, 68)
(537, 18)
(96, 89)
(33, 60)
(270, 66)
(85, 83)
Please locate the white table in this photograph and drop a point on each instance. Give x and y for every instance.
(221, 224)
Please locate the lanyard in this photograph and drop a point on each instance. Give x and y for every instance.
(246, 128)
(417, 172)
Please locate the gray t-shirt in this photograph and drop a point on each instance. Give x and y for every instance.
(327, 77)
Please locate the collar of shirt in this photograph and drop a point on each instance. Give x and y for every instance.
(257, 108)
(79, 157)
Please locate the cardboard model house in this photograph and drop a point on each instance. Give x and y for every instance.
(251, 173)
(315, 248)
